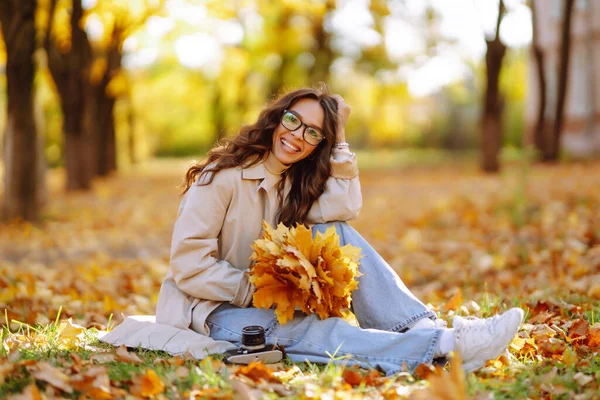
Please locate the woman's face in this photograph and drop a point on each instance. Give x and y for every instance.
(289, 146)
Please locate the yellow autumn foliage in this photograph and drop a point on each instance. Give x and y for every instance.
(292, 270)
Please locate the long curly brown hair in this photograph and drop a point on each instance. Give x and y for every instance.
(252, 145)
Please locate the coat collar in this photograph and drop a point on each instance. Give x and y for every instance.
(259, 172)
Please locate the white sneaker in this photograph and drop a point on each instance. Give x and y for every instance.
(478, 340)
(440, 323)
(429, 323)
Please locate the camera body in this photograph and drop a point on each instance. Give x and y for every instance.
(254, 348)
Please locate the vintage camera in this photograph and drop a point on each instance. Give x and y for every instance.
(254, 348)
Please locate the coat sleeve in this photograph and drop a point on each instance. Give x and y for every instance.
(342, 198)
(196, 268)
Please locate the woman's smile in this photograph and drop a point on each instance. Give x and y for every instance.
(287, 146)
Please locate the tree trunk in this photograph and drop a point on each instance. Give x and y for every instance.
(69, 71)
(106, 143)
(21, 194)
(219, 114)
(590, 50)
(131, 131)
(563, 74)
(491, 124)
(105, 140)
(324, 56)
(278, 84)
(541, 130)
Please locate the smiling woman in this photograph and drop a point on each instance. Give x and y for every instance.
(293, 166)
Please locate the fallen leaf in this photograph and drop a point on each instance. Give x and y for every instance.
(594, 335)
(352, 377)
(570, 357)
(69, 334)
(552, 346)
(445, 385)
(578, 328)
(43, 371)
(125, 356)
(455, 302)
(257, 371)
(287, 375)
(94, 382)
(582, 379)
(151, 385)
(424, 371)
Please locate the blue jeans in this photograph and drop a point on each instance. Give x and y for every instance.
(382, 304)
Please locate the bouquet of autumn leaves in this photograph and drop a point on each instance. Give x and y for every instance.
(292, 269)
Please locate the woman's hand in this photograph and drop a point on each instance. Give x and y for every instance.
(342, 118)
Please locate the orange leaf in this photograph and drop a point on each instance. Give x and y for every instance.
(455, 302)
(355, 377)
(579, 328)
(352, 377)
(444, 385)
(552, 346)
(257, 371)
(94, 383)
(151, 384)
(594, 335)
(424, 371)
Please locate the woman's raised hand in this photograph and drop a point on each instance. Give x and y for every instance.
(342, 115)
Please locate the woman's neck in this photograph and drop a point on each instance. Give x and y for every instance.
(274, 166)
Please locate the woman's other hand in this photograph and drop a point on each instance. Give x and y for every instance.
(343, 115)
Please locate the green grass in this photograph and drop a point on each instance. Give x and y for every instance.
(529, 380)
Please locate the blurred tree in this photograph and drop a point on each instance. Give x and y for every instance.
(375, 58)
(119, 20)
(21, 194)
(552, 147)
(292, 44)
(491, 123)
(548, 129)
(542, 130)
(321, 48)
(279, 21)
(69, 59)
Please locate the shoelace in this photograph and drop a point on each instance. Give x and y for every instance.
(482, 325)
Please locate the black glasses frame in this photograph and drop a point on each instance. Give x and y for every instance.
(300, 126)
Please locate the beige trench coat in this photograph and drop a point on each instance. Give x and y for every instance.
(213, 236)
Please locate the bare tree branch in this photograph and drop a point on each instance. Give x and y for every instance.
(501, 11)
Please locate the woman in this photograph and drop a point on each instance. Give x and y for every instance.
(294, 166)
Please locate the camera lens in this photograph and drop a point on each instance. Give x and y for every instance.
(253, 337)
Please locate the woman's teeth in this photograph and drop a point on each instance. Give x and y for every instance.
(289, 145)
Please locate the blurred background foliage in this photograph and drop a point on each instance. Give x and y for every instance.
(195, 70)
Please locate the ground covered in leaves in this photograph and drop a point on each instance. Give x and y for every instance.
(465, 243)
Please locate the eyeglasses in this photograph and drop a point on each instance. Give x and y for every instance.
(292, 122)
